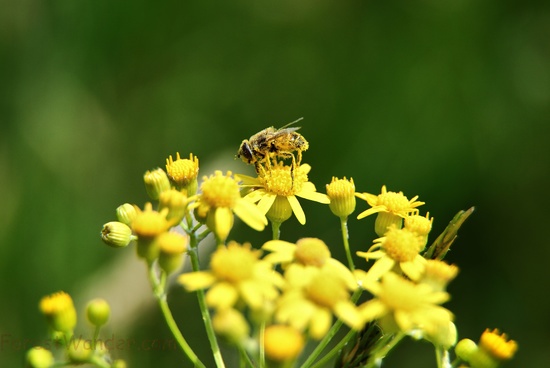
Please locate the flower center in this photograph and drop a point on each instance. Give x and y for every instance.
(282, 180)
(234, 263)
(182, 171)
(220, 190)
(311, 252)
(394, 202)
(401, 245)
(326, 290)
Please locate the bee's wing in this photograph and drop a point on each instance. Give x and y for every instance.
(289, 124)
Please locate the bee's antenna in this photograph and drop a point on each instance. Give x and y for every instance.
(293, 122)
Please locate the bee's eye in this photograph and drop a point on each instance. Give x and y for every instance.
(246, 151)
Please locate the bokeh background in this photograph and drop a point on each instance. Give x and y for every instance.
(448, 100)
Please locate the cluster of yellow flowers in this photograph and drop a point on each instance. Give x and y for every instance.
(269, 301)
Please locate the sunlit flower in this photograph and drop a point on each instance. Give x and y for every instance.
(183, 172)
(282, 183)
(391, 207)
(399, 304)
(236, 273)
(220, 198)
(312, 296)
(399, 247)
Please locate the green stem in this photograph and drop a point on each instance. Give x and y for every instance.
(158, 289)
(334, 350)
(96, 336)
(345, 238)
(262, 344)
(276, 229)
(383, 349)
(328, 337)
(203, 307)
(245, 359)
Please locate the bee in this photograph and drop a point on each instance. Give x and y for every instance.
(271, 142)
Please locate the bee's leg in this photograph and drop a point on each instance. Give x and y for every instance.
(292, 167)
(299, 157)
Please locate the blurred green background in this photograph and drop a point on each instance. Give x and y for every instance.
(448, 100)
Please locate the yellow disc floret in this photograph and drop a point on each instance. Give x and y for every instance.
(183, 172)
(401, 245)
(234, 263)
(59, 310)
(311, 252)
(283, 180)
(283, 343)
(497, 345)
(220, 190)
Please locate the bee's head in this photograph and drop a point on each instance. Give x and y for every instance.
(245, 152)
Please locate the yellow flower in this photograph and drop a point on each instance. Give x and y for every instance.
(236, 273)
(492, 350)
(402, 305)
(438, 274)
(183, 172)
(283, 343)
(147, 225)
(220, 198)
(39, 357)
(171, 245)
(342, 196)
(399, 247)
(231, 324)
(283, 184)
(59, 310)
(391, 207)
(312, 296)
(306, 252)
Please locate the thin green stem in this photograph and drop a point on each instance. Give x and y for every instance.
(158, 289)
(384, 347)
(438, 357)
(325, 359)
(345, 239)
(245, 360)
(328, 337)
(203, 307)
(262, 345)
(276, 229)
(96, 336)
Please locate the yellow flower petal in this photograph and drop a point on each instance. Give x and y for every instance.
(222, 295)
(314, 196)
(250, 214)
(348, 313)
(320, 323)
(197, 280)
(372, 310)
(267, 200)
(297, 209)
(380, 267)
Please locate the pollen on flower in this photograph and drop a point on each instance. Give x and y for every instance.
(234, 262)
(182, 171)
(401, 245)
(419, 224)
(220, 190)
(311, 252)
(283, 180)
(497, 345)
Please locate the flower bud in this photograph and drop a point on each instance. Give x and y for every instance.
(126, 213)
(342, 197)
(98, 312)
(176, 203)
(38, 357)
(116, 234)
(59, 310)
(156, 182)
(184, 172)
(79, 351)
(231, 325)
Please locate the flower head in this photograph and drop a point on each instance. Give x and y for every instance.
(183, 172)
(493, 349)
(342, 196)
(391, 207)
(59, 310)
(236, 273)
(312, 296)
(399, 247)
(220, 198)
(284, 183)
(399, 304)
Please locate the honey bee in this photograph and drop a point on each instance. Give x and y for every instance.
(271, 142)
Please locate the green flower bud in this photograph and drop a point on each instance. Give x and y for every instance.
(98, 312)
(342, 197)
(116, 234)
(38, 357)
(79, 351)
(172, 246)
(126, 213)
(156, 182)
